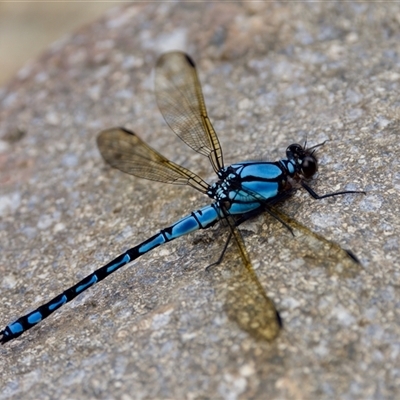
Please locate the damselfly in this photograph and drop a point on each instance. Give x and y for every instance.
(243, 190)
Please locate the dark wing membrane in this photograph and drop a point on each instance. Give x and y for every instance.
(181, 102)
(123, 150)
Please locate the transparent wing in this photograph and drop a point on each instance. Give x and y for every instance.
(180, 100)
(307, 244)
(123, 150)
(246, 302)
(318, 251)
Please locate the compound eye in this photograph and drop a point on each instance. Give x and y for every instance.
(308, 167)
(294, 151)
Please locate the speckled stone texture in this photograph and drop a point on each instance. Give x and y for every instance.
(272, 74)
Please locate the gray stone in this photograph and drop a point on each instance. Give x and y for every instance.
(272, 74)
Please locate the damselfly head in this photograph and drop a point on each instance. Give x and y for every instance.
(304, 159)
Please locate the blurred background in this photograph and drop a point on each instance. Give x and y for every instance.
(28, 28)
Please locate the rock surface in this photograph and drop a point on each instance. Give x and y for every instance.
(272, 74)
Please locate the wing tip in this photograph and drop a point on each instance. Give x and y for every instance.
(189, 60)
